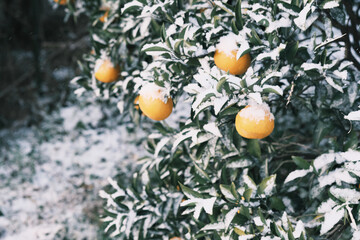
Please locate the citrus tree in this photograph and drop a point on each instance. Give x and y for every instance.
(250, 109)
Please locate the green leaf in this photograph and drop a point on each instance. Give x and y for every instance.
(302, 237)
(238, 16)
(228, 194)
(200, 149)
(262, 218)
(238, 231)
(319, 133)
(234, 28)
(234, 192)
(202, 172)
(189, 192)
(229, 111)
(277, 204)
(271, 90)
(255, 39)
(220, 84)
(295, 3)
(323, 57)
(290, 235)
(266, 182)
(253, 147)
(291, 50)
(352, 141)
(177, 46)
(300, 162)
(156, 49)
(163, 33)
(247, 194)
(274, 229)
(245, 212)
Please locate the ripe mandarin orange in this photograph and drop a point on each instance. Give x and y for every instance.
(106, 71)
(136, 103)
(103, 18)
(255, 121)
(153, 102)
(228, 62)
(175, 238)
(61, 2)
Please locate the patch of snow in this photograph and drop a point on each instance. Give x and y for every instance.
(353, 116)
(296, 174)
(331, 4)
(331, 218)
(59, 196)
(227, 44)
(338, 175)
(257, 112)
(351, 155)
(212, 128)
(152, 91)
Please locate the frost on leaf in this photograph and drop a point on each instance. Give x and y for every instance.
(353, 167)
(296, 174)
(323, 160)
(300, 228)
(330, 81)
(338, 176)
(214, 226)
(160, 145)
(331, 4)
(230, 216)
(200, 203)
(212, 128)
(331, 218)
(303, 21)
(346, 195)
(353, 116)
(351, 155)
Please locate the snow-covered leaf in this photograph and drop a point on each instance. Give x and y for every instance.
(353, 116)
(267, 185)
(331, 218)
(214, 226)
(212, 128)
(330, 81)
(230, 216)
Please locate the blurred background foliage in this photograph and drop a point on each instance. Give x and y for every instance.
(38, 54)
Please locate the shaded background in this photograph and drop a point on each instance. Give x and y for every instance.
(38, 54)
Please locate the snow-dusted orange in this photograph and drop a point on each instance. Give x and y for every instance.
(103, 18)
(154, 103)
(106, 71)
(228, 62)
(175, 238)
(61, 2)
(255, 121)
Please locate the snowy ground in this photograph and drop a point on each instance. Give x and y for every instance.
(50, 178)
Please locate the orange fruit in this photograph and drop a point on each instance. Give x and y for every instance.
(229, 63)
(175, 238)
(136, 103)
(103, 18)
(61, 2)
(153, 103)
(106, 71)
(255, 121)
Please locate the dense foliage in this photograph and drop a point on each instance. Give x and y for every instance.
(202, 180)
